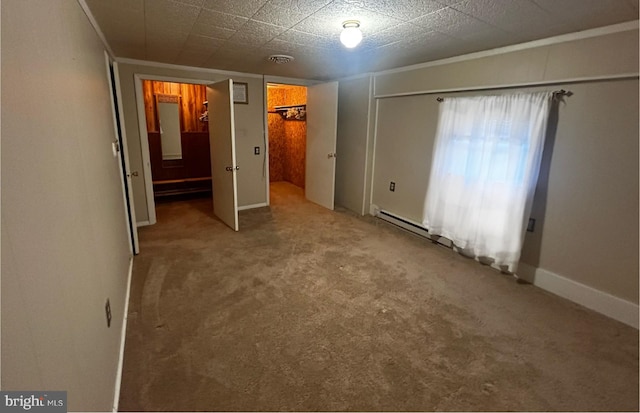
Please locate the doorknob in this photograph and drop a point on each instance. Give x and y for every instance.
(134, 173)
(332, 155)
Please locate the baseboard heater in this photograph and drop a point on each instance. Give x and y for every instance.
(423, 232)
(411, 226)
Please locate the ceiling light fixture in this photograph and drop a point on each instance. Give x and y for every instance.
(351, 36)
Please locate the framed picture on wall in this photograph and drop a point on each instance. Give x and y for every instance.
(240, 93)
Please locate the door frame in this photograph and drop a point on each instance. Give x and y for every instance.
(291, 81)
(144, 139)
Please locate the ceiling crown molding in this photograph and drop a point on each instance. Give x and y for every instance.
(585, 34)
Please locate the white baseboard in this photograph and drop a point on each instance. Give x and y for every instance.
(245, 207)
(123, 333)
(600, 301)
(142, 223)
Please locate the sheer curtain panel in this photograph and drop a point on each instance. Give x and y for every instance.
(485, 166)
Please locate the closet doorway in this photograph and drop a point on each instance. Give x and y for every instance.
(302, 123)
(178, 137)
(287, 132)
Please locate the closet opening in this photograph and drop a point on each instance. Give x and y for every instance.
(287, 132)
(178, 135)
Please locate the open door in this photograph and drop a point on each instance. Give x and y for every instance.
(222, 143)
(322, 126)
(121, 148)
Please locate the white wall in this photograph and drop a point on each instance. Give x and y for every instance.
(604, 55)
(586, 205)
(249, 130)
(64, 235)
(352, 162)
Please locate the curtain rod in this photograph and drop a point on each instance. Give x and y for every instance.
(556, 93)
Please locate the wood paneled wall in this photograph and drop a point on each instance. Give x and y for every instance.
(295, 151)
(287, 138)
(183, 175)
(275, 97)
(195, 163)
(296, 133)
(191, 104)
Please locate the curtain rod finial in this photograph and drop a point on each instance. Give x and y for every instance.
(563, 92)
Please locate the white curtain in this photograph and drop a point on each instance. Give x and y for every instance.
(485, 166)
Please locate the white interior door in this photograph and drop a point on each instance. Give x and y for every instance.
(322, 126)
(123, 151)
(222, 143)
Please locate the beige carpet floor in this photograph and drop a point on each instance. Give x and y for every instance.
(307, 309)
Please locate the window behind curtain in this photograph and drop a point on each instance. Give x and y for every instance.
(485, 167)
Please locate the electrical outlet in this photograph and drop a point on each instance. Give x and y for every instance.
(107, 310)
(256, 150)
(531, 225)
(392, 186)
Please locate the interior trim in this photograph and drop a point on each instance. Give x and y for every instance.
(373, 209)
(623, 76)
(585, 34)
(96, 27)
(290, 80)
(123, 333)
(245, 207)
(599, 301)
(137, 62)
(368, 149)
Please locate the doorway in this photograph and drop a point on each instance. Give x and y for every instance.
(178, 137)
(287, 132)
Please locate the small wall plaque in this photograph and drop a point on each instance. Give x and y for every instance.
(162, 98)
(240, 93)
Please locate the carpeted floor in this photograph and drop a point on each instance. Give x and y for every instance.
(307, 309)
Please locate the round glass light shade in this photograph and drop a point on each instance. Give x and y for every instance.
(351, 37)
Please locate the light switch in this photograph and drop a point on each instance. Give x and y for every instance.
(256, 150)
